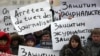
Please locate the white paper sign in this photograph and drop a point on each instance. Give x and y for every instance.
(78, 8)
(64, 29)
(5, 19)
(6, 25)
(32, 51)
(32, 17)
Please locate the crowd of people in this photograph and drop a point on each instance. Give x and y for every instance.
(9, 43)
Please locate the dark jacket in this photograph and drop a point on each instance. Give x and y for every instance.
(5, 48)
(92, 48)
(66, 51)
(19, 39)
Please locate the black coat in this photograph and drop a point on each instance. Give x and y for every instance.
(66, 51)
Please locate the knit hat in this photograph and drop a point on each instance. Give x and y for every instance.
(30, 37)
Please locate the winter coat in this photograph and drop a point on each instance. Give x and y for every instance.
(66, 51)
(14, 48)
(5, 48)
(92, 48)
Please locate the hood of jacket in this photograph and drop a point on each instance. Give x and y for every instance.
(5, 48)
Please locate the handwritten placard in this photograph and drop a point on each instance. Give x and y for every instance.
(32, 51)
(5, 19)
(78, 8)
(64, 29)
(32, 17)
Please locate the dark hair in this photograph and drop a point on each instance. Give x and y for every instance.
(77, 39)
(16, 37)
(45, 32)
(4, 38)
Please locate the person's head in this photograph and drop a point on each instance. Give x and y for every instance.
(4, 41)
(30, 40)
(95, 34)
(46, 35)
(75, 42)
(16, 40)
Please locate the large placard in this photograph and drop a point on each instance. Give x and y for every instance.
(32, 17)
(64, 29)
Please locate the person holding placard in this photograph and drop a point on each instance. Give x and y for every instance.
(93, 43)
(73, 48)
